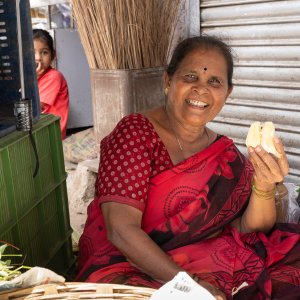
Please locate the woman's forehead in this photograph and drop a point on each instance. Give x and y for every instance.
(204, 59)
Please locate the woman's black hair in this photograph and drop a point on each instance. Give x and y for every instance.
(44, 35)
(205, 42)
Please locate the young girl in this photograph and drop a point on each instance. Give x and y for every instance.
(53, 89)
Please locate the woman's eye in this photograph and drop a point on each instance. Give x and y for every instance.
(191, 77)
(214, 81)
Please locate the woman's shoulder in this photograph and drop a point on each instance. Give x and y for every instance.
(133, 128)
(135, 121)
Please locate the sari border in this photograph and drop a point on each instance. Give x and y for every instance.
(122, 200)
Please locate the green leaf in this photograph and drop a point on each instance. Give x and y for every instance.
(8, 262)
(2, 249)
(8, 271)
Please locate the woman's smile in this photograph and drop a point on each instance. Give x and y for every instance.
(196, 104)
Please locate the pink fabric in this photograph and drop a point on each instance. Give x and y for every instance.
(53, 91)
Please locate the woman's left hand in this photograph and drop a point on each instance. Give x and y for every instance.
(268, 169)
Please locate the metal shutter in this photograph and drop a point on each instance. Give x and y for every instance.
(265, 35)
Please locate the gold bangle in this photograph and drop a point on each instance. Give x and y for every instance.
(264, 195)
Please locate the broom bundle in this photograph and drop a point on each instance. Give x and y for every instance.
(126, 34)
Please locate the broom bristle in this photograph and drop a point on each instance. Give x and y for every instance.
(126, 34)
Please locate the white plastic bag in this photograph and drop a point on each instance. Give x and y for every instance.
(34, 276)
(293, 206)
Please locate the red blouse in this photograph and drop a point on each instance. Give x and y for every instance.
(130, 155)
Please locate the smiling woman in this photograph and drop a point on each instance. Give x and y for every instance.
(172, 195)
(196, 96)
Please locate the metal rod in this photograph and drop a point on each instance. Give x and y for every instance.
(20, 46)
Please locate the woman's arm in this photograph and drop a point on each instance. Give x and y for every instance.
(260, 214)
(124, 231)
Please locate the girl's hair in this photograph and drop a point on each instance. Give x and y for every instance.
(44, 35)
(204, 42)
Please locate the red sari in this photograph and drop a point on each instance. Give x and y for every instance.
(186, 204)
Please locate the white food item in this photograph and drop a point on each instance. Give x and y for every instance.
(262, 134)
(254, 135)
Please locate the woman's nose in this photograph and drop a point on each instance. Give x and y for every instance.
(200, 88)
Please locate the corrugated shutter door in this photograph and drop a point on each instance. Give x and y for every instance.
(265, 36)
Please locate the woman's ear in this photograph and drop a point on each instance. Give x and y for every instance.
(166, 79)
(230, 88)
(166, 83)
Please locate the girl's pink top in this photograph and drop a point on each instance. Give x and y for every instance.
(54, 94)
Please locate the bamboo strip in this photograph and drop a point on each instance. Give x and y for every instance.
(77, 290)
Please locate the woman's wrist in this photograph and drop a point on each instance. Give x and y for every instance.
(263, 195)
(263, 186)
(266, 192)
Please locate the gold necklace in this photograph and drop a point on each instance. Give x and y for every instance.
(176, 136)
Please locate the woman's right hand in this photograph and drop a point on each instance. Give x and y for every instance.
(212, 289)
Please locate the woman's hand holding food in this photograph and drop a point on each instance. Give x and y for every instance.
(270, 168)
(270, 164)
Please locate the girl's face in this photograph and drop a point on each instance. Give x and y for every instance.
(43, 56)
(199, 88)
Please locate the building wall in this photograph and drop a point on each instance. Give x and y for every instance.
(265, 37)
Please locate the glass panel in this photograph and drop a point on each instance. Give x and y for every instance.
(60, 16)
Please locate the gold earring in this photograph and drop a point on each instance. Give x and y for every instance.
(166, 91)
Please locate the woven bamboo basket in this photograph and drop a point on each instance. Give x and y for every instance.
(79, 290)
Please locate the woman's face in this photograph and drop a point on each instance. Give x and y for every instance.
(199, 87)
(43, 56)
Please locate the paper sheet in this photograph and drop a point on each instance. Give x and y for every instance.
(182, 287)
